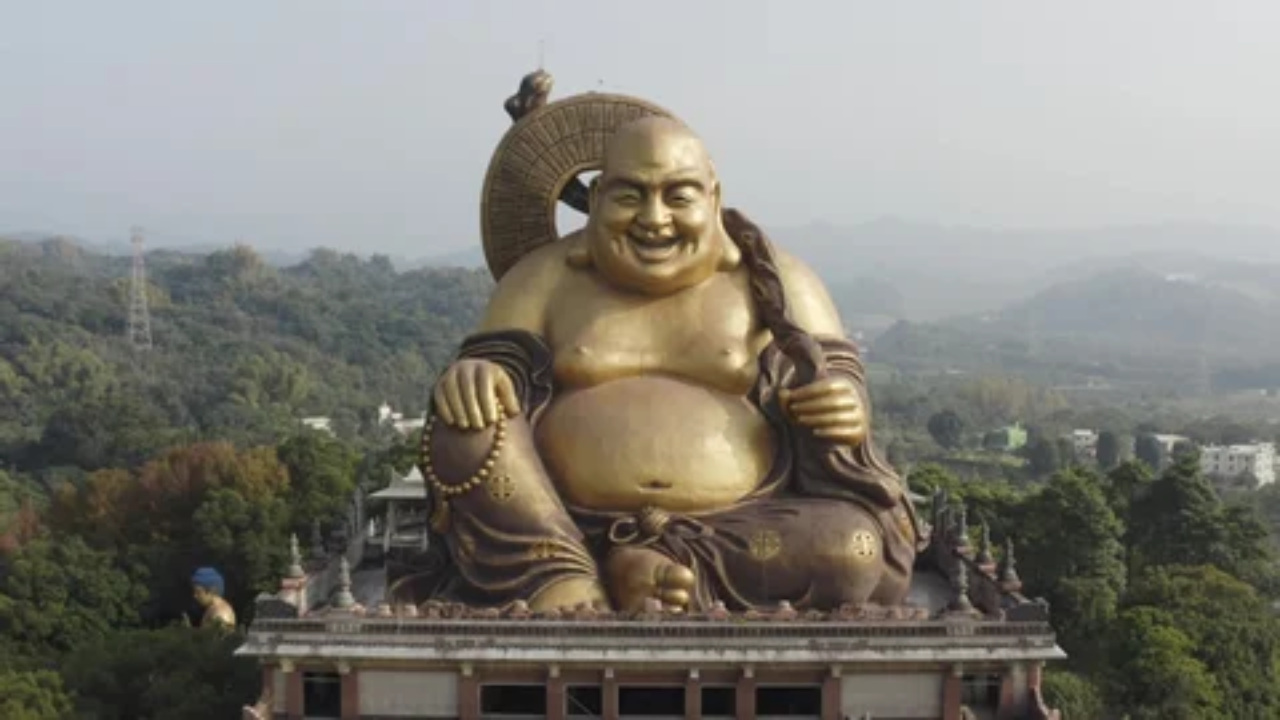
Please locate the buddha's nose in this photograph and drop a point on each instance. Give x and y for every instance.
(653, 217)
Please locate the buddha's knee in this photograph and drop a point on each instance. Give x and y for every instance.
(494, 466)
(848, 562)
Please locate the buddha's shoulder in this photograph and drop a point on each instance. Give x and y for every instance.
(522, 296)
(542, 269)
(795, 273)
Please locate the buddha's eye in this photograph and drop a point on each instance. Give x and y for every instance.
(627, 199)
(682, 198)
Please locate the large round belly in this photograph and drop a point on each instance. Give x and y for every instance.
(654, 441)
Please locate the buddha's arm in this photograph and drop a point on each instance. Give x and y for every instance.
(470, 392)
(520, 300)
(807, 298)
(854, 465)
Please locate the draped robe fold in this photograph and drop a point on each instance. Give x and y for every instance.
(513, 536)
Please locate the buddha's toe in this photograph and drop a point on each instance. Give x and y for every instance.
(674, 584)
(637, 574)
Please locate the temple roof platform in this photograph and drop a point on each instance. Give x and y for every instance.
(965, 632)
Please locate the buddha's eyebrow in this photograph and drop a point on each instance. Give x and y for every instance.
(618, 182)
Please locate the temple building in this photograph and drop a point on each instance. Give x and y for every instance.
(672, 506)
(403, 525)
(968, 643)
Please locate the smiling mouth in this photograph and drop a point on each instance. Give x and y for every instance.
(654, 251)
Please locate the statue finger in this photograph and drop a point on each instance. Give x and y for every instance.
(841, 433)
(507, 394)
(825, 403)
(470, 406)
(442, 403)
(453, 398)
(831, 419)
(486, 393)
(817, 389)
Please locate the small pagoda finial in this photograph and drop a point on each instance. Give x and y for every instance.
(1009, 564)
(962, 528)
(295, 570)
(984, 559)
(960, 603)
(344, 599)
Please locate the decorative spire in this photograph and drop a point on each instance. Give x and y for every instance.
(295, 570)
(317, 541)
(984, 559)
(344, 600)
(962, 529)
(1009, 565)
(960, 603)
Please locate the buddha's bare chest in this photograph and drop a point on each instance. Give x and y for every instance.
(708, 335)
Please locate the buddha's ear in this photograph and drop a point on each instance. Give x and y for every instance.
(578, 255)
(592, 191)
(731, 254)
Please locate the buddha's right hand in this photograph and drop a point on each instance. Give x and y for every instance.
(471, 393)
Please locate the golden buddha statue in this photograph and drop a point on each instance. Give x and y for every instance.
(658, 406)
(208, 588)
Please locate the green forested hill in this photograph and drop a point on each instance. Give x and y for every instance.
(241, 351)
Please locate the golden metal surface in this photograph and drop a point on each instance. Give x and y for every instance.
(549, 146)
(501, 488)
(864, 546)
(217, 611)
(544, 549)
(653, 321)
(765, 545)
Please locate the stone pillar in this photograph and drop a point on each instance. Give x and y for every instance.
(746, 694)
(468, 694)
(350, 692)
(951, 693)
(609, 696)
(1034, 674)
(693, 695)
(1014, 692)
(268, 688)
(555, 709)
(292, 691)
(832, 695)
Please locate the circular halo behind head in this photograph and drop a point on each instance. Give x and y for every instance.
(537, 157)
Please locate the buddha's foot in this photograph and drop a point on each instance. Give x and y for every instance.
(569, 594)
(636, 574)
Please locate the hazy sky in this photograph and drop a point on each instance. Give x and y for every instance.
(368, 125)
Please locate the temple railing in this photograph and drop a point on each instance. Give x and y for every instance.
(730, 629)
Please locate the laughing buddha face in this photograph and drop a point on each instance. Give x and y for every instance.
(654, 226)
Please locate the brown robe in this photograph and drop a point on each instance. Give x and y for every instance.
(511, 536)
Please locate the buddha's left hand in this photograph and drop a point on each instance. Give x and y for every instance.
(830, 407)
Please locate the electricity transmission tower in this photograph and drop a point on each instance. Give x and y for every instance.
(139, 313)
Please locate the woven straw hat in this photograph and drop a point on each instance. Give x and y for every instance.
(537, 157)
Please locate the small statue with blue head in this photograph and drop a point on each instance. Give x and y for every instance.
(208, 587)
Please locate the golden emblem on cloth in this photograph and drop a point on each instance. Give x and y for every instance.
(766, 544)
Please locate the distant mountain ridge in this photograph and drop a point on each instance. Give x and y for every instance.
(928, 271)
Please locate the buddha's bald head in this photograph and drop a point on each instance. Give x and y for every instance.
(655, 209)
(657, 141)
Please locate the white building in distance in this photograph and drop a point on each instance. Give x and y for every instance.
(387, 416)
(323, 424)
(1231, 461)
(1085, 443)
